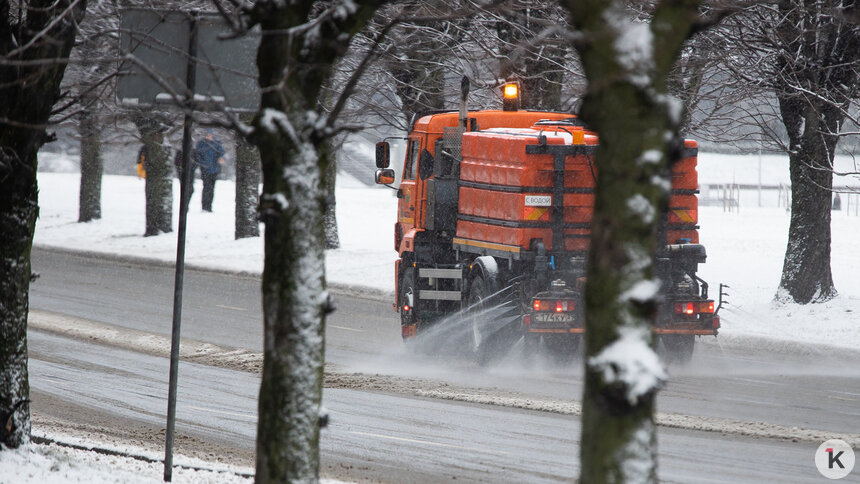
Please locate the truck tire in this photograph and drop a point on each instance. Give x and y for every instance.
(492, 326)
(676, 348)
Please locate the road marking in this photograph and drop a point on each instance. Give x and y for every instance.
(57, 381)
(230, 307)
(424, 442)
(345, 328)
(846, 399)
(222, 412)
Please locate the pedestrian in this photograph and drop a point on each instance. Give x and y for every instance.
(209, 157)
(177, 162)
(141, 162)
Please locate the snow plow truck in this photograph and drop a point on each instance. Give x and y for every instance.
(494, 211)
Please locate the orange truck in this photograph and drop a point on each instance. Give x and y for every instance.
(493, 227)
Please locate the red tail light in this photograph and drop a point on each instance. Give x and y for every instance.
(684, 308)
(556, 305)
(697, 307)
(406, 308)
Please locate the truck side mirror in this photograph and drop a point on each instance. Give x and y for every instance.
(383, 154)
(384, 176)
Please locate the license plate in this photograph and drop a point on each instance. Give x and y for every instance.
(548, 317)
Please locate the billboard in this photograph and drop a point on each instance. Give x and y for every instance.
(154, 52)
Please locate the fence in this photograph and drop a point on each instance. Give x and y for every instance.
(731, 196)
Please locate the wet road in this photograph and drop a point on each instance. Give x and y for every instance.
(425, 438)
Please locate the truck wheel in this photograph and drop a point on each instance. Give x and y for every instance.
(677, 348)
(492, 324)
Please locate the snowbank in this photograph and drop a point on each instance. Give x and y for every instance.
(57, 464)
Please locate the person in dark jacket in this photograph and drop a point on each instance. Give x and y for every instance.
(177, 162)
(209, 157)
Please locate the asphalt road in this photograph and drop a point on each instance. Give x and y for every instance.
(403, 438)
(381, 437)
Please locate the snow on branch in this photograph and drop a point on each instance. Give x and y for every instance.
(633, 45)
(275, 121)
(630, 363)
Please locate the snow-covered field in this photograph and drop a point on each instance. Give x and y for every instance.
(745, 251)
(366, 217)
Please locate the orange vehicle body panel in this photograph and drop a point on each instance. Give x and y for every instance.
(427, 129)
(498, 159)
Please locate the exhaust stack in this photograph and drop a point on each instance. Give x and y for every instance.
(464, 99)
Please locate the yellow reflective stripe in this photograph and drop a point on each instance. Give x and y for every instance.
(487, 245)
(534, 213)
(683, 215)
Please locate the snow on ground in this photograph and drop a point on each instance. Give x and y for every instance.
(50, 463)
(56, 464)
(745, 251)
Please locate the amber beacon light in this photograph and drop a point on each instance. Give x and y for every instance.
(511, 96)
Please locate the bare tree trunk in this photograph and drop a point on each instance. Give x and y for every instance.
(817, 76)
(332, 240)
(294, 314)
(627, 104)
(293, 70)
(159, 176)
(806, 274)
(90, 201)
(27, 95)
(18, 211)
(247, 189)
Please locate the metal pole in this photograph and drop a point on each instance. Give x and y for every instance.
(184, 195)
